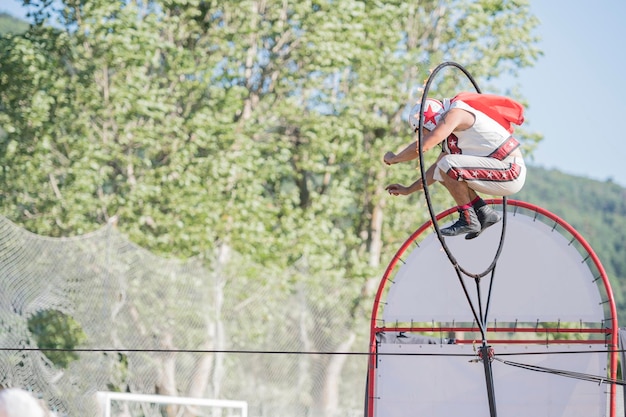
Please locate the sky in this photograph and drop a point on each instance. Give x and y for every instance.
(574, 90)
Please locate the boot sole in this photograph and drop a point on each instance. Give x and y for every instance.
(474, 235)
(455, 232)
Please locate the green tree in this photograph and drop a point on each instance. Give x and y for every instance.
(254, 126)
(58, 332)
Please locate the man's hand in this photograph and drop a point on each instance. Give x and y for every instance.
(397, 189)
(389, 158)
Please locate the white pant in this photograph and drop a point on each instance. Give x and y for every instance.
(483, 174)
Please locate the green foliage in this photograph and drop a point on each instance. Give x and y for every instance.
(256, 126)
(53, 329)
(597, 210)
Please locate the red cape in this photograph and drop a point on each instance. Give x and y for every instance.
(501, 109)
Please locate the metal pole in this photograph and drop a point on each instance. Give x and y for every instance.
(484, 352)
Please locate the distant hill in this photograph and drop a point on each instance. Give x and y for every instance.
(597, 210)
(10, 24)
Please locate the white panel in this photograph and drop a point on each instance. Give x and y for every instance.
(435, 386)
(539, 276)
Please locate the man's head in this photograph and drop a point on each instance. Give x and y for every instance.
(15, 402)
(432, 113)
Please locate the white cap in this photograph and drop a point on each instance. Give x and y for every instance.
(15, 402)
(432, 114)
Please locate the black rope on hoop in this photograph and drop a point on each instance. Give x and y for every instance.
(425, 185)
(459, 269)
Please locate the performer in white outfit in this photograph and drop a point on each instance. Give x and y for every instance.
(479, 154)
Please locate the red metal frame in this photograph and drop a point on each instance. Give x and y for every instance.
(611, 332)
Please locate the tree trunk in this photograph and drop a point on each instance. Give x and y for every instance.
(210, 366)
(304, 361)
(223, 258)
(330, 393)
(167, 374)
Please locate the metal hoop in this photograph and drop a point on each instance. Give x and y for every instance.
(425, 185)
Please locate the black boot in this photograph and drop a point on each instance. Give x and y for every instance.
(486, 216)
(467, 223)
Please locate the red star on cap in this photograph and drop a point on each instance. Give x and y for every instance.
(429, 115)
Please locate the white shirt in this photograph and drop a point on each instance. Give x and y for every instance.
(481, 139)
